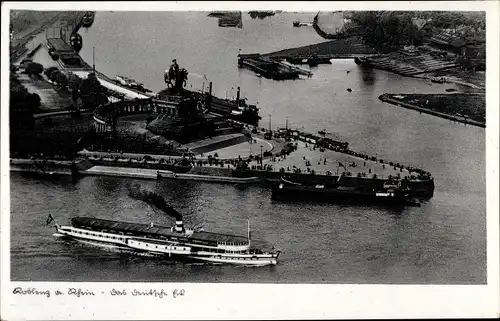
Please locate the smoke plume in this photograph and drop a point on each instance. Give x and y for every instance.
(154, 200)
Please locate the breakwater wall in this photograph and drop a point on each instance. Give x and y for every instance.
(387, 99)
(141, 164)
(45, 167)
(339, 35)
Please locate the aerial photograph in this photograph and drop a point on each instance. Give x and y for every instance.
(320, 147)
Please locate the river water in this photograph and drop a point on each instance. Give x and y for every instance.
(441, 242)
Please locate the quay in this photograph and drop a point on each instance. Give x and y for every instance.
(128, 172)
(302, 157)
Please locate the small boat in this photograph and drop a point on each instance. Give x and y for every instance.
(437, 80)
(349, 89)
(131, 83)
(322, 132)
(178, 241)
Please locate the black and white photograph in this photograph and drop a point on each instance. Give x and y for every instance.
(246, 145)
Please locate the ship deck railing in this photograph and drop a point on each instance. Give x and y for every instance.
(155, 231)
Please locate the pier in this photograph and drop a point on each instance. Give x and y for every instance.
(269, 68)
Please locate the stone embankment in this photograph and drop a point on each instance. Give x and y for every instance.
(461, 117)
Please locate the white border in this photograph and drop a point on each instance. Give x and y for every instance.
(252, 301)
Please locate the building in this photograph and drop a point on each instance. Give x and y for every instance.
(449, 41)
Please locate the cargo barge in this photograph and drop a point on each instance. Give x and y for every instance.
(390, 193)
(266, 67)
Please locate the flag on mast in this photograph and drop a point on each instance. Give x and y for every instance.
(50, 219)
(249, 233)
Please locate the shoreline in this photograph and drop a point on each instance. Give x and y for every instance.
(386, 99)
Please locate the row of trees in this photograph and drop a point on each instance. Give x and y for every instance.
(452, 19)
(22, 104)
(396, 28)
(387, 29)
(89, 89)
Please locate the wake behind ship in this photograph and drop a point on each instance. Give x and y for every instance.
(168, 242)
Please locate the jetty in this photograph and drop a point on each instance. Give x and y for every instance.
(269, 68)
(282, 64)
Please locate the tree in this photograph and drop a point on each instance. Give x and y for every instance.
(49, 71)
(74, 82)
(53, 74)
(92, 92)
(34, 68)
(33, 101)
(62, 79)
(22, 105)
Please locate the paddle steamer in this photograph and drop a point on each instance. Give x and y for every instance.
(163, 241)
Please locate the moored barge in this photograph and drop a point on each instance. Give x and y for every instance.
(392, 193)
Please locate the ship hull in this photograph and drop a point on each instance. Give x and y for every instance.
(336, 196)
(164, 249)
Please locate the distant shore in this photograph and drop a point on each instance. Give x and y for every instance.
(432, 98)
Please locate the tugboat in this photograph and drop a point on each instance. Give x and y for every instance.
(131, 83)
(76, 42)
(155, 240)
(438, 80)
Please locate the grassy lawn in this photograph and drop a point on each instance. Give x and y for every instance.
(472, 105)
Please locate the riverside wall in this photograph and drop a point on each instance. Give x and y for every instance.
(385, 98)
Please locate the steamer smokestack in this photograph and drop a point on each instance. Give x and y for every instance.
(179, 225)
